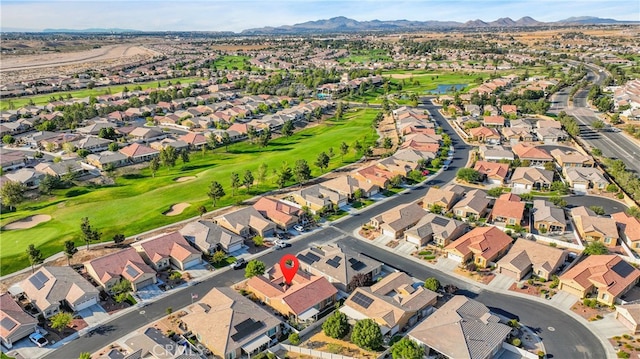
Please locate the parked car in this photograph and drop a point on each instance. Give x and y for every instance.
(239, 263)
(38, 339)
(298, 228)
(282, 244)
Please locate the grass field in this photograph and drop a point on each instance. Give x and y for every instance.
(231, 62)
(137, 201)
(366, 56)
(44, 99)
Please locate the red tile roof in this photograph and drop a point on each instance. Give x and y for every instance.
(492, 169)
(137, 150)
(606, 272)
(508, 206)
(484, 242)
(527, 151)
(629, 225)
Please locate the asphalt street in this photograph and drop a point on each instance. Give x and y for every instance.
(563, 336)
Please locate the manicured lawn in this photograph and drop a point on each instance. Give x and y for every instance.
(332, 217)
(137, 201)
(231, 62)
(366, 56)
(226, 262)
(361, 203)
(5, 356)
(44, 99)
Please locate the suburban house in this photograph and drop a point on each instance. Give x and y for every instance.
(143, 134)
(509, 109)
(125, 264)
(485, 135)
(137, 153)
(152, 344)
(231, 325)
(194, 140)
(474, 203)
(318, 198)
(15, 323)
(374, 175)
(592, 227)
(550, 135)
(284, 215)
(492, 172)
(526, 152)
(395, 221)
(105, 159)
(168, 250)
(508, 208)
(338, 265)
(629, 316)
(493, 121)
(525, 179)
(629, 229)
(496, 153)
(394, 303)
(547, 217)
(461, 328)
(529, 257)
(481, 246)
(302, 300)
(581, 179)
(571, 158)
(247, 222)
(606, 277)
(50, 287)
(437, 228)
(348, 185)
(210, 237)
(27, 176)
(517, 134)
(444, 197)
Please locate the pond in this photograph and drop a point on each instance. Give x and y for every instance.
(447, 88)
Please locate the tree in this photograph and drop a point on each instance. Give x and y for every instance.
(357, 146)
(35, 256)
(226, 141)
(301, 171)
(218, 257)
(560, 187)
(262, 172)
(88, 233)
(70, 250)
(118, 238)
(49, 183)
(359, 280)
(396, 181)
(599, 210)
(184, 156)
(284, 175)
(432, 284)
(215, 192)
(287, 128)
(248, 179)
(366, 334)
(344, 149)
(113, 146)
(85, 355)
(122, 286)
(265, 137)
(406, 348)
(154, 165)
(336, 326)
(61, 320)
(258, 241)
(468, 175)
(633, 211)
(12, 193)
(8, 140)
(322, 161)
(168, 156)
(495, 192)
(387, 143)
(597, 125)
(235, 183)
(254, 268)
(595, 248)
(549, 166)
(294, 338)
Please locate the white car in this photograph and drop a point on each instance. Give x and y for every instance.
(280, 244)
(38, 339)
(298, 228)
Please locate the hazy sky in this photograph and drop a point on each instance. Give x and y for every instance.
(238, 15)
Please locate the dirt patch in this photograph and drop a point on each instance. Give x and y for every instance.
(626, 343)
(535, 289)
(323, 343)
(177, 209)
(28, 222)
(481, 277)
(588, 313)
(185, 179)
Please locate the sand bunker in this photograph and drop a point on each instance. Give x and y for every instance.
(176, 209)
(184, 179)
(29, 222)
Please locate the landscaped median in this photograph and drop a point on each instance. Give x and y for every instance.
(137, 201)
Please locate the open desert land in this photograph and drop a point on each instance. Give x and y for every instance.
(27, 67)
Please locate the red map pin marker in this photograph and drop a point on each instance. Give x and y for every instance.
(289, 271)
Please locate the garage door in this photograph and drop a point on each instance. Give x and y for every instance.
(86, 304)
(456, 258)
(625, 321)
(509, 273)
(389, 233)
(580, 188)
(235, 247)
(144, 283)
(192, 263)
(414, 240)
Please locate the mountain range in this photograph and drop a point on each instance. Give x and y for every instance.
(344, 24)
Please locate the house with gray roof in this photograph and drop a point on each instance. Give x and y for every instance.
(210, 237)
(474, 203)
(27, 176)
(547, 217)
(338, 265)
(51, 287)
(395, 221)
(15, 323)
(246, 222)
(434, 227)
(529, 257)
(581, 179)
(462, 328)
(153, 344)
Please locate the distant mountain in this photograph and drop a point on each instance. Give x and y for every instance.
(344, 24)
(592, 20)
(92, 30)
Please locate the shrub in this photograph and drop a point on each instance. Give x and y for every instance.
(620, 195)
(627, 336)
(294, 338)
(541, 354)
(516, 342)
(623, 354)
(336, 326)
